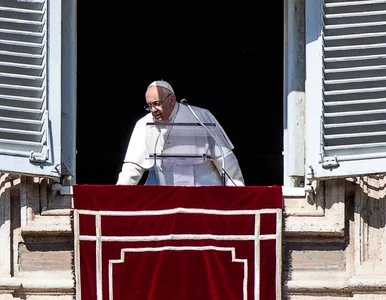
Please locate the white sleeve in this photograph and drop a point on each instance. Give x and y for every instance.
(233, 176)
(136, 151)
(130, 174)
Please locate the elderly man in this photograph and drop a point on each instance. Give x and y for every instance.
(153, 134)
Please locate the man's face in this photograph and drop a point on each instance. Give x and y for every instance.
(161, 103)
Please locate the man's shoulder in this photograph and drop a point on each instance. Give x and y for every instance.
(145, 119)
(202, 111)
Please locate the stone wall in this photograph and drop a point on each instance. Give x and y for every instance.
(333, 240)
(336, 250)
(36, 257)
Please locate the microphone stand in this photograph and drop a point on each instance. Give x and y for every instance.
(185, 102)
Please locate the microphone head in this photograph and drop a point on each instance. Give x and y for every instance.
(184, 101)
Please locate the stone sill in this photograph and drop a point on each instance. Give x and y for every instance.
(287, 192)
(39, 281)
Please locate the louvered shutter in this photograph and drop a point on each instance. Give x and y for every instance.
(30, 87)
(352, 138)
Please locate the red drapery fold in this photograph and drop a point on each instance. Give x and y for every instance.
(164, 242)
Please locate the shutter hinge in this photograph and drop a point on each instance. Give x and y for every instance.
(39, 157)
(330, 162)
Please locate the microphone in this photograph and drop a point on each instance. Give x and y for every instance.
(185, 102)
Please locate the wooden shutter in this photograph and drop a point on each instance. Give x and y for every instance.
(29, 104)
(353, 118)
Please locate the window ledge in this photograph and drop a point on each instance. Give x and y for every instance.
(287, 192)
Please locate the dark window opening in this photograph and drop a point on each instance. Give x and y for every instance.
(223, 57)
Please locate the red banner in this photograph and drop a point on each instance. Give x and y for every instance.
(160, 242)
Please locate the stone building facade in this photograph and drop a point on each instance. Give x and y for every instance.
(334, 204)
(333, 236)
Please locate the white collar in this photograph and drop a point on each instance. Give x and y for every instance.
(174, 112)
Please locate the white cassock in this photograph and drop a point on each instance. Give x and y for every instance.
(172, 158)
